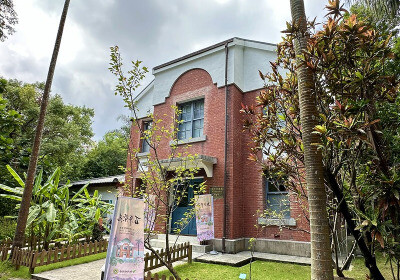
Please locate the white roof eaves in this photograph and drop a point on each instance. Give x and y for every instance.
(215, 48)
(144, 91)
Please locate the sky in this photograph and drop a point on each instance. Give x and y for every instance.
(153, 31)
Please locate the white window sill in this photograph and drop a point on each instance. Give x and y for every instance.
(142, 154)
(188, 141)
(277, 222)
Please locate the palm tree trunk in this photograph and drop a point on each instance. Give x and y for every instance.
(321, 256)
(27, 195)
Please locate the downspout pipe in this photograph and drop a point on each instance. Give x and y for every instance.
(225, 151)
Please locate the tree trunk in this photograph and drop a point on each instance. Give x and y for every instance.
(321, 255)
(370, 261)
(27, 195)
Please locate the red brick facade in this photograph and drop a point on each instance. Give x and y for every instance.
(245, 183)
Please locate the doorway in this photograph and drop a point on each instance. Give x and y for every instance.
(184, 207)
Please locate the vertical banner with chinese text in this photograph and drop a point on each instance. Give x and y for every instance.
(125, 253)
(204, 217)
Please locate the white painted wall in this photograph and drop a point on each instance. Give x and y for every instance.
(107, 193)
(245, 58)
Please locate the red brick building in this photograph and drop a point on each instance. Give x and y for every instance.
(204, 85)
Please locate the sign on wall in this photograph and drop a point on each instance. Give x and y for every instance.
(125, 253)
(204, 217)
(217, 192)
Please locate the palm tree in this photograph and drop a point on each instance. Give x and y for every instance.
(27, 194)
(321, 256)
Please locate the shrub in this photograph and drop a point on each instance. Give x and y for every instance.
(7, 228)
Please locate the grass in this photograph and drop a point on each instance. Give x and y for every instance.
(262, 270)
(359, 270)
(201, 271)
(8, 271)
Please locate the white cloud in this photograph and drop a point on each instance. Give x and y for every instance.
(154, 31)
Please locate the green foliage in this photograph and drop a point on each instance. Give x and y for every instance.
(168, 178)
(107, 156)
(357, 95)
(67, 131)
(10, 122)
(56, 214)
(7, 227)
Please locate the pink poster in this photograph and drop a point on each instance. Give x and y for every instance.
(125, 253)
(204, 217)
(149, 212)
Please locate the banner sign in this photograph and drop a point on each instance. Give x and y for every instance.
(149, 212)
(204, 217)
(125, 252)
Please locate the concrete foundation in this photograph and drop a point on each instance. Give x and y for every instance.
(281, 247)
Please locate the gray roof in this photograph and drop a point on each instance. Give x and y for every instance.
(102, 180)
(207, 49)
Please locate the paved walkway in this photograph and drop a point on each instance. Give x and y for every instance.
(244, 257)
(88, 271)
(92, 270)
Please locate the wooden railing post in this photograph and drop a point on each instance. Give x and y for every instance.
(33, 262)
(190, 254)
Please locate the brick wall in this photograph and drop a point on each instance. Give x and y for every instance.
(245, 188)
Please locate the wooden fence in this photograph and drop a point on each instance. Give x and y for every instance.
(34, 259)
(4, 248)
(178, 252)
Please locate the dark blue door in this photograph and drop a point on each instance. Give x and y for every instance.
(184, 206)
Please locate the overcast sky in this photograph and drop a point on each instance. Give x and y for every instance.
(154, 31)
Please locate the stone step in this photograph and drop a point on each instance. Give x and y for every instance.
(158, 243)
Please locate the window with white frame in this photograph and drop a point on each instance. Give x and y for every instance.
(277, 199)
(145, 142)
(191, 119)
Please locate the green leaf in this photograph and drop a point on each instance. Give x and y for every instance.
(11, 190)
(79, 192)
(86, 193)
(359, 75)
(98, 213)
(51, 213)
(10, 196)
(74, 223)
(321, 129)
(38, 181)
(16, 176)
(33, 213)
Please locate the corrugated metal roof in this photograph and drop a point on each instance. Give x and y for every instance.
(102, 180)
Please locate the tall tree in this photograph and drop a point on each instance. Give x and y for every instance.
(321, 256)
(107, 157)
(27, 195)
(8, 18)
(67, 132)
(349, 60)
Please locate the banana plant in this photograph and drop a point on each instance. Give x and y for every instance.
(56, 214)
